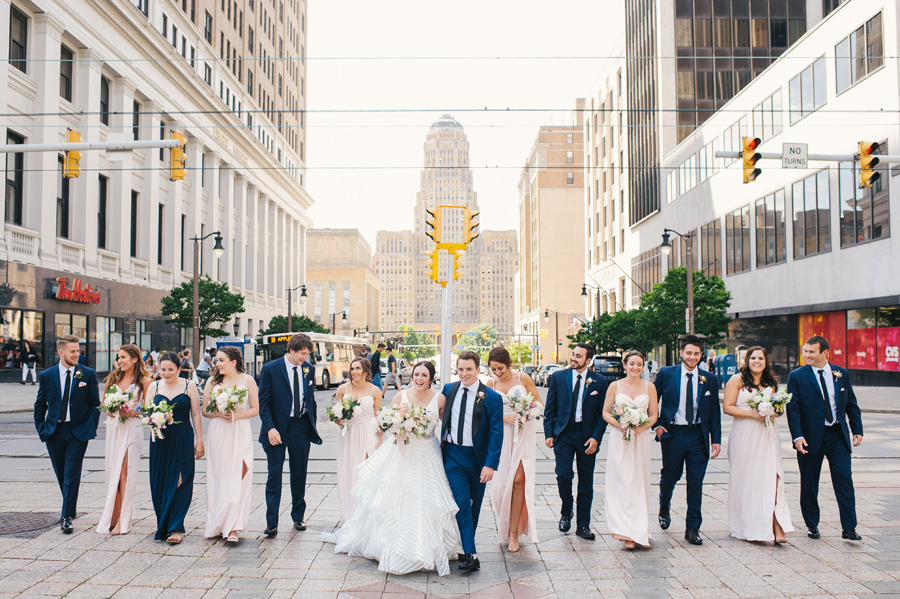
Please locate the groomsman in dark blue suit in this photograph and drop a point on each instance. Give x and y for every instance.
(66, 414)
(471, 442)
(822, 404)
(689, 419)
(574, 427)
(287, 409)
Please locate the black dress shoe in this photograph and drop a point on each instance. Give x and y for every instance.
(66, 525)
(585, 533)
(664, 520)
(271, 531)
(692, 536)
(813, 532)
(851, 535)
(299, 525)
(470, 563)
(565, 523)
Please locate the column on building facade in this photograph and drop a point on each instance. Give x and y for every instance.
(252, 269)
(280, 244)
(226, 224)
(265, 265)
(85, 190)
(189, 206)
(118, 199)
(239, 267)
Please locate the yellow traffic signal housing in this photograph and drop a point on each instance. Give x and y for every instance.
(73, 157)
(469, 226)
(867, 163)
(434, 224)
(751, 157)
(484, 334)
(177, 171)
(457, 266)
(434, 265)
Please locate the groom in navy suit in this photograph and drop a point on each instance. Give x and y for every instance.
(287, 409)
(823, 402)
(574, 427)
(66, 414)
(689, 419)
(471, 441)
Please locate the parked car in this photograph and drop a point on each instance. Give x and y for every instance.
(538, 374)
(545, 381)
(403, 369)
(529, 371)
(609, 366)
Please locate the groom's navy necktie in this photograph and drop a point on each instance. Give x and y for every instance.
(829, 415)
(461, 421)
(689, 398)
(575, 393)
(64, 405)
(298, 409)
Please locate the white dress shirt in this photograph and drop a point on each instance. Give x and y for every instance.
(290, 373)
(579, 400)
(680, 414)
(453, 433)
(829, 384)
(62, 387)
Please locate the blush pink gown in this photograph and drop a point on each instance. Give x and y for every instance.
(756, 477)
(354, 445)
(124, 442)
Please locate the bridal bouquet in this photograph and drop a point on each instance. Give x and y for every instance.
(525, 406)
(226, 399)
(403, 421)
(343, 409)
(770, 405)
(157, 416)
(629, 417)
(113, 402)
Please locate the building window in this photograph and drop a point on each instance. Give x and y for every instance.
(159, 234)
(193, 55)
(865, 212)
(731, 137)
(569, 137)
(65, 73)
(250, 82)
(18, 39)
(807, 91)
(104, 100)
(101, 213)
(737, 241)
(136, 120)
(207, 74)
(165, 26)
(183, 240)
(859, 54)
(208, 27)
(175, 38)
(250, 40)
(812, 215)
(15, 167)
(711, 248)
(767, 114)
(770, 229)
(671, 186)
(162, 136)
(143, 6)
(570, 177)
(570, 157)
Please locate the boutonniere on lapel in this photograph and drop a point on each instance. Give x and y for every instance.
(702, 380)
(479, 397)
(78, 375)
(305, 371)
(836, 374)
(588, 381)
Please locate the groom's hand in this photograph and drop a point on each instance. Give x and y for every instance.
(716, 449)
(274, 437)
(857, 439)
(660, 431)
(549, 442)
(487, 474)
(800, 444)
(591, 445)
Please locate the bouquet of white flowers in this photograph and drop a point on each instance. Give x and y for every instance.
(525, 406)
(113, 402)
(404, 420)
(226, 399)
(770, 405)
(343, 409)
(630, 418)
(157, 416)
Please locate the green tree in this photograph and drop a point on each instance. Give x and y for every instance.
(217, 304)
(301, 323)
(519, 352)
(414, 338)
(617, 332)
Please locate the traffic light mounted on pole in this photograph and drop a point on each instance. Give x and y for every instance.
(867, 163)
(751, 157)
(469, 226)
(71, 167)
(177, 171)
(457, 266)
(434, 265)
(434, 223)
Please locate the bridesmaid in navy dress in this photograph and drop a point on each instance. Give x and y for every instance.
(172, 458)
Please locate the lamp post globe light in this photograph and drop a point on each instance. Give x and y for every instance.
(218, 252)
(665, 249)
(302, 288)
(334, 321)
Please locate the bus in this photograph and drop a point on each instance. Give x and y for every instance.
(331, 354)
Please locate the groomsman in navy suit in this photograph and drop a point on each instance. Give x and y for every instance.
(822, 404)
(574, 427)
(66, 414)
(471, 442)
(287, 409)
(689, 419)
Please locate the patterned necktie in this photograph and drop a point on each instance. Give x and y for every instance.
(689, 399)
(461, 422)
(64, 405)
(829, 415)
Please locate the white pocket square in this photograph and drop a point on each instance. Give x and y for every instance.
(593, 393)
(82, 384)
(707, 392)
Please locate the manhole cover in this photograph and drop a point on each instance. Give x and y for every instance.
(17, 523)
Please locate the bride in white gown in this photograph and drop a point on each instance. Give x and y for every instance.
(405, 516)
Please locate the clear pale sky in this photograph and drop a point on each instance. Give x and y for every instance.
(383, 198)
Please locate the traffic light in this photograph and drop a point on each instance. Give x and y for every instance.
(177, 158)
(543, 333)
(457, 266)
(434, 265)
(73, 157)
(469, 233)
(484, 334)
(434, 224)
(751, 157)
(867, 163)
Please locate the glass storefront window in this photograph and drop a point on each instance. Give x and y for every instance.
(888, 338)
(108, 340)
(861, 339)
(16, 327)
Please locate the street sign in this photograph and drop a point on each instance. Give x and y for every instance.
(794, 155)
(535, 347)
(459, 348)
(470, 334)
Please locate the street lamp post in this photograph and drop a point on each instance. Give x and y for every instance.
(666, 249)
(584, 293)
(556, 343)
(218, 250)
(302, 289)
(334, 321)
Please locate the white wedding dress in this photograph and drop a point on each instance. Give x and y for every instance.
(405, 516)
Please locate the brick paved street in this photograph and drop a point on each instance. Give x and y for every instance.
(85, 564)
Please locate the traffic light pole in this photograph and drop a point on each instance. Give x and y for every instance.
(446, 324)
(89, 145)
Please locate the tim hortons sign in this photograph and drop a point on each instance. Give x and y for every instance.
(76, 293)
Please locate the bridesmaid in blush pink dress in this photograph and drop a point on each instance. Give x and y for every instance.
(229, 459)
(757, 510)
(359, 439)
(124, 442)
(512, 488)
(627, 485)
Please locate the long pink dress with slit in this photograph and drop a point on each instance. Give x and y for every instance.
(354, 445)
(124, 443)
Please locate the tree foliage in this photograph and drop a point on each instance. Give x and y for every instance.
(217, 305)
(617, 332)
(520, 353)
(412, 337)
(300, 323)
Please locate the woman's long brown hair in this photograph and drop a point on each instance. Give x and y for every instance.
(766, 379)
(139, 371)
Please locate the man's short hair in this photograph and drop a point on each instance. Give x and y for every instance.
(821, 341)
(469, 355)
(691, 340)
(63, 340)
(299, 341)
(389, 349)
(588, 349)
(381, 346)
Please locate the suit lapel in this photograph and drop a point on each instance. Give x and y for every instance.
(56, 381)
(476, 410)
(837, 384)
(570, 376)
(815, 381)
(448, 407)
(676, 374)
(284, 372)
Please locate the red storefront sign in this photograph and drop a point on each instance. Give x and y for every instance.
(832, 326)
(76, 293)
(889, 349)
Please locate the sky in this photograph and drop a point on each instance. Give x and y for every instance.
(375, 64)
